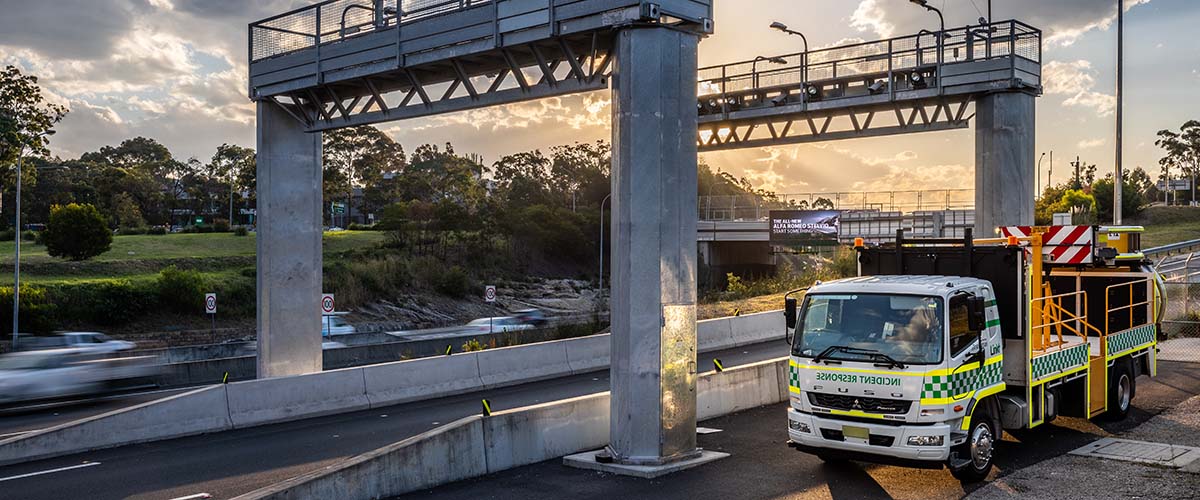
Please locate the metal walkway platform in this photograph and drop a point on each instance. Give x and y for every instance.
(894, 86)
(343, 63)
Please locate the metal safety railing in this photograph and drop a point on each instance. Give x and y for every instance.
(1130, 305)
(334, 20)
(748, 207)
(1054, 319)
(884, 58)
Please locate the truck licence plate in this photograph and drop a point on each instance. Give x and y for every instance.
(856, 432)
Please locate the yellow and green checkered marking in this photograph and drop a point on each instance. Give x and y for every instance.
(1058, 361)
(1119, 343)
(963, 382)
(793, 377)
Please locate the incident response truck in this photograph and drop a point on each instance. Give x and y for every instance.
(940, 345)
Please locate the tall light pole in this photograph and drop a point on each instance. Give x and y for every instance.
(602, 203)
(17, 252)
(940, 36)
(754, 65)
(803, 59)
(1039, 175)
(1119, 180)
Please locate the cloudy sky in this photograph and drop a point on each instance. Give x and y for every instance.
(174, 70)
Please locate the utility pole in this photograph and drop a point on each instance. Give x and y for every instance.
(1119, 180)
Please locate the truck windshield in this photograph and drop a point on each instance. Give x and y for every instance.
(906, 328)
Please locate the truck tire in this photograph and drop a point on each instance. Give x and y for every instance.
(978, 449)
(1121, 388)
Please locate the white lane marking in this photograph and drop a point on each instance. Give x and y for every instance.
(51, 471)
(198, 496)
(14, 434)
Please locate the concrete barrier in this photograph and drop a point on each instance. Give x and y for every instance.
(714, 334)
(740, 388)
(197, 412)
(756, 328)
(449, 453)
(427, 378)
(266, 401)
(589, 354)
(509, 439)
(527, 363)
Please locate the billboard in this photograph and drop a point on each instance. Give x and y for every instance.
(790, 227)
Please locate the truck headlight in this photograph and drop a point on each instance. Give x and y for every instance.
(932, 411)
(798, 426)
(925, 440)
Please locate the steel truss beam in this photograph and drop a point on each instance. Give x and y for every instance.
(901, 117)
(512, 74)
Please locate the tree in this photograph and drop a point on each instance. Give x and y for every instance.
(355, 157)
(1131, 199)
(125, 212)
(76, 232)
(25, 122)
(235, 167)
(1080, 205)
(822, 204)
(1181, 151)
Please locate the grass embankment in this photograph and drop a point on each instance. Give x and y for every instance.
(1166, 225)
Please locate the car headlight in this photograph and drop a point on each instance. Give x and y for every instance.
(926, 440)
(798, 426)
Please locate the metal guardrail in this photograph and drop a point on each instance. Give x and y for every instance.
(334, 20)
(1183, 246)
(755, 207)
(905, 54)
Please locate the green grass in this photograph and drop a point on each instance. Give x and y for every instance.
(1166, 225)
(141, 257)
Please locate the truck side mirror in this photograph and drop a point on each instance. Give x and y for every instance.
(977, 317)
(789, 312)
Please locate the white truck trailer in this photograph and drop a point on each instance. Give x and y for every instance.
(941, 345)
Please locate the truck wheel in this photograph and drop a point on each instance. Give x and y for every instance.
(978, 449)
(1121, 388)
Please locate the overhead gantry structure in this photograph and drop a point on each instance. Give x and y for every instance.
(918, 83)
(343, 63)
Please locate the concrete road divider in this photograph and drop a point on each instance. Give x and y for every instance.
(259, 402)
(521, 364)
(756, 328)
(476, 446)
(535, 433)
(449, 453)
(427, 378)
(714, 334)
(197, 412)
(588, 354)
(737, 389)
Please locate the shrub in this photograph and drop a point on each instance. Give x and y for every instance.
(133, 230)
(249, 272)
(28, 235)
(8, 235)
(36, 309)
(107, 303)
(157, 230)
(735, 285)
(220, 226)
(453, 283)
(473, 346)
(181, 291)
(77, 232)
(361, 227)
(241, 231)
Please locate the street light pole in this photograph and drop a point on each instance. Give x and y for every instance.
(1119, 180)
(803, 59)
(17, 258)
(940, 37)
(1039, 175)
(602, 203)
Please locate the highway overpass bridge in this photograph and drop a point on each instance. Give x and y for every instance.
(343, 63)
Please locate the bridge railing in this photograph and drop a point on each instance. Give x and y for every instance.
(758, 208)
(334, 20)
(884, 58)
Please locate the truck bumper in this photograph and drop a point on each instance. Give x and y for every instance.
(886, 443)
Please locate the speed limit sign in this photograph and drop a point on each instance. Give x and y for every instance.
(327, 303)
(210, 303)
(489, 293)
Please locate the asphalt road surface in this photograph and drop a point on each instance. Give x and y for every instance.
(761, 466)
(231, 463)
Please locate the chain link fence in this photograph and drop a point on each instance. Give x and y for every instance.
(1181, 322)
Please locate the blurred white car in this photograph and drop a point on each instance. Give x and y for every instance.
(49, 373)
(333, 324)
(331, 345)
(92, 341)
(499, 324)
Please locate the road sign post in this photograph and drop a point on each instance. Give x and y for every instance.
(327, 309)
(210, 308)
(489, 296)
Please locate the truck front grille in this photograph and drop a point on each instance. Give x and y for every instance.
(864, 404)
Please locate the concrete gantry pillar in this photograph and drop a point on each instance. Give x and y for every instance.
(1004, 161)
(653, 419)
(289, 245)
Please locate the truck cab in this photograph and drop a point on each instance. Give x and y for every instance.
(890, 368)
